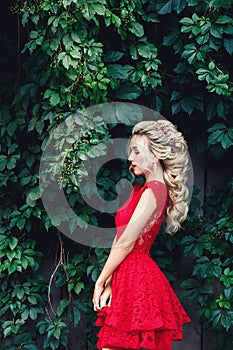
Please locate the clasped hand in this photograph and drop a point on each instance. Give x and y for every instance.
(102, 296)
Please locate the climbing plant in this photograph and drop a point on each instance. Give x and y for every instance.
(62, 56)
(210, 285)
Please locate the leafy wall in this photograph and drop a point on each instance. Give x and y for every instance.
(172, 56)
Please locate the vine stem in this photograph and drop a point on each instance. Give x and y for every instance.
(62, 263)
(18, 54)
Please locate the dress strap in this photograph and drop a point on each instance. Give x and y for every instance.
(160, 191)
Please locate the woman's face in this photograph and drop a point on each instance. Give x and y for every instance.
(141, 158)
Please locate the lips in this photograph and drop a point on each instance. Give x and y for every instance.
(133, 166)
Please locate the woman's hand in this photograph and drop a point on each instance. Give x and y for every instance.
(106, 296)
(99, 288)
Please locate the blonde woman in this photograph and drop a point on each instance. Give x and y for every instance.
(135, 304)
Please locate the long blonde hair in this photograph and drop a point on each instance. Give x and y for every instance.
(169, 146)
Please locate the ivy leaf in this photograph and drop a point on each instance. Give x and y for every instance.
(128, 92)
(226, 142)
(118, 71)
(190, 283)
(165, 8)
(137, 29)
(75, 316)
(55, 99)
(113, 56)
(216, 127)
(186, 21)
(62, 307)
(215, 137)
(13, 243)
(78, 287)
(75, 37)
(228, 44)
(3, 162)
(33, 313)
(179, 5)
(11, 128)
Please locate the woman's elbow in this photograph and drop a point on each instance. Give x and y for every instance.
(127, 247)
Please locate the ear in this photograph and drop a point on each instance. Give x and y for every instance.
(156, 158)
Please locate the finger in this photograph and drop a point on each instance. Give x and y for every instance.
(103, 302)
(96, 307)
(97, 304)
(110, 300)
(96, 298)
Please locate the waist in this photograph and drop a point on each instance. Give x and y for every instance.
(137, 250)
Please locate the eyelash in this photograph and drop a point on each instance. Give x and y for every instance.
(135, 152)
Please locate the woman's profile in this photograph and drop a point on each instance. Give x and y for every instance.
(135, 304)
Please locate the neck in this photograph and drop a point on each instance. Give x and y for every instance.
(150, 176)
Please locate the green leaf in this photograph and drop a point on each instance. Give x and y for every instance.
(62, 307)
(228, 44)
(190, 283)
(226, 142)
(78, 287)
(116, 20)
(151, 17)
(25, 314)
(216, 127)
(186, 21)
(137, 29)
(7, 331)
(215, 137)
(75, 37)
(34, 193)
(55, 99)
(33, 313)
(128, 92)
(223, 19)
(24, 262)
(20, 293)
(226, 320)
(113, 56)
(12, 268)
(32, 299)
(33, 34)
(11, 255)
(75, 316)
(216, 32)
(13, 242)
(66, 61)
(147, 50)
(165, 7)
(11, 128)
(118, 71)
(39, 126)
(3, 161)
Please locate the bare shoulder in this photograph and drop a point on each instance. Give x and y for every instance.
(148, 197)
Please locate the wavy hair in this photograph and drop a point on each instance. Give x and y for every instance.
(169, 146)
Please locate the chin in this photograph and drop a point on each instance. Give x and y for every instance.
(138, 172)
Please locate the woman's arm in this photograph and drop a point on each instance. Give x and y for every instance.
(108, 282)
(123, 246)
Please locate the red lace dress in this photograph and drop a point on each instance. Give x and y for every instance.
(145, 312)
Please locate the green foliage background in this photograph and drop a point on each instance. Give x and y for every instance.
(172, 56)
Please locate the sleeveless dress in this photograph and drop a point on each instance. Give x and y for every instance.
(145, 312)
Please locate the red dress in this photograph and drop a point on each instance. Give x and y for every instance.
(144, 312)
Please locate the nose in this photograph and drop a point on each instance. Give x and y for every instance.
(130, 157)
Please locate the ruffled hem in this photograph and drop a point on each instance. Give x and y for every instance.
(151, 339)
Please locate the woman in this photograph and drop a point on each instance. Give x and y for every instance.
(136, 305)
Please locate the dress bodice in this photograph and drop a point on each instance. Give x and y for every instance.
(149, 232)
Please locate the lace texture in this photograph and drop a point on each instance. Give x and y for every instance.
(145, 312)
